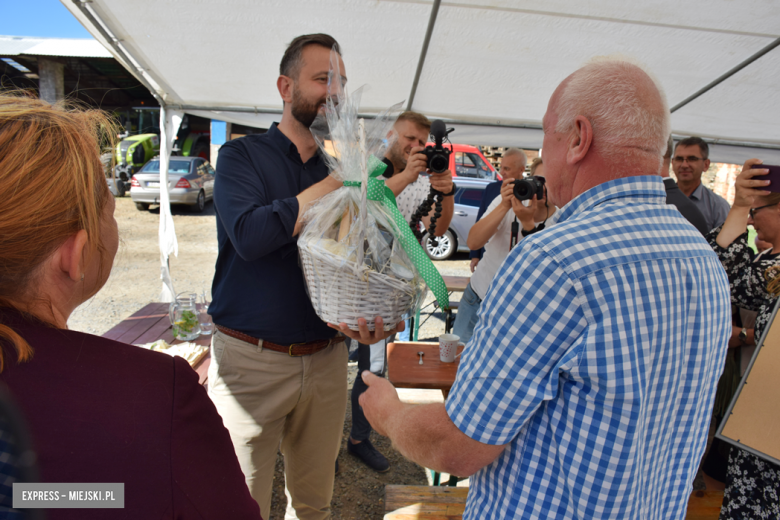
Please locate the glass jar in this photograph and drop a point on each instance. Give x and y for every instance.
(184, 316)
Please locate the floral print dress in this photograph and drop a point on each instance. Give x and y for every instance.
(752, 483)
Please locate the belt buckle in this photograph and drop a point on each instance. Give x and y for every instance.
(289, 350)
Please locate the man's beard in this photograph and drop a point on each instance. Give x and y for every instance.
(304, 111)
(396, 156)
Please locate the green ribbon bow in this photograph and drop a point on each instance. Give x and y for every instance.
(377, 191)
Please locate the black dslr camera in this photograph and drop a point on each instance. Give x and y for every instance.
(438, 156)
(525, 189)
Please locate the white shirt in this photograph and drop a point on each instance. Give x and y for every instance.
(412, 196)
(496, 250)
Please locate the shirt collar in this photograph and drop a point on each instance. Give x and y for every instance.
(645, 189)
(697, 193)
(287, 146)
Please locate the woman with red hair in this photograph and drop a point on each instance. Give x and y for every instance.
(97, 410)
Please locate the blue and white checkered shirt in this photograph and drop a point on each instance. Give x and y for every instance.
(595, 359)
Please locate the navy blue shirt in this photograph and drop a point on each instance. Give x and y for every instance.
(258, 286)
(492, 191)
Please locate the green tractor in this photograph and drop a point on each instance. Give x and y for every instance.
(140, 142)
(131, 154)
(133, 151)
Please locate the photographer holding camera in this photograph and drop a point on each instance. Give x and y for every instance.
(406, 161)
(512, 166)
(498, 232)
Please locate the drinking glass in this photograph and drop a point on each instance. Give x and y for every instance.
(206, 325)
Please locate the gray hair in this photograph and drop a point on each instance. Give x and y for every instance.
(516, 151)
(623, 102)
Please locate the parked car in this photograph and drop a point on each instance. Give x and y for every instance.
(468, 161)
(190, 181)
(468, 197)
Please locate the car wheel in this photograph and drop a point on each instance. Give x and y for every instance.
(141, 206)
(200, 204)
(440, 248)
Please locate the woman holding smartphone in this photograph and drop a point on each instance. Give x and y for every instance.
(752, 483)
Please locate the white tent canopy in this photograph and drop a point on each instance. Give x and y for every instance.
(489, 66)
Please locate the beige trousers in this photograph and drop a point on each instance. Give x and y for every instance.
(266, 398)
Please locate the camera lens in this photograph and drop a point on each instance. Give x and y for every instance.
(439, 163)
(524, 189)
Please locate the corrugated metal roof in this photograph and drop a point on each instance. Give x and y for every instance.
(76, 47)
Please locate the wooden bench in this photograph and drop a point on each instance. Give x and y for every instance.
(424, 502)
(440, 503)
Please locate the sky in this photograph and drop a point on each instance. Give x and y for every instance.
(43, 18)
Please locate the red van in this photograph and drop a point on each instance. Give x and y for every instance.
(468, 161)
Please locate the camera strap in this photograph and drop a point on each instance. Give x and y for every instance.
(513, 236)
(534, 230)
(390, 170)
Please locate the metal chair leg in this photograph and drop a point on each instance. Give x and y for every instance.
(448, 321)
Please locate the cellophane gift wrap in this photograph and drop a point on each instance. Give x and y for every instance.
(351, 245)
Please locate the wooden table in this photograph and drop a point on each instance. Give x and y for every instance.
(453, 284)
(151, 323)
(456, 283)
(405, 371)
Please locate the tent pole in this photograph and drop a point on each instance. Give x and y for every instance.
(727, 75)
(424, 52)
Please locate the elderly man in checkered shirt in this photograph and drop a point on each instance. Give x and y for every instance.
(587, 388)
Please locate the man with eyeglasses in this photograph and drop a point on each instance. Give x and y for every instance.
(675, 197)
(690, 160)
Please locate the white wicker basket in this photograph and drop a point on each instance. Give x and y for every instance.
(341, 293)
(342, 289)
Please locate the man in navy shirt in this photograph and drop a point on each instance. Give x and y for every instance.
(278, 374)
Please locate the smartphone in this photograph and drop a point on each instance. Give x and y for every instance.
(773, 176)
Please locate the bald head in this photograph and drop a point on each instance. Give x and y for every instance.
(607, 120)
(624, 104)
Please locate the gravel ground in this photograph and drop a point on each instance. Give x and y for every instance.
(135, 281)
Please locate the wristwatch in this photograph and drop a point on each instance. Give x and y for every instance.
(451, 193)
(743, 335)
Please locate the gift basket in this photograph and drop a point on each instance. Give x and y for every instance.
(358, 255)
